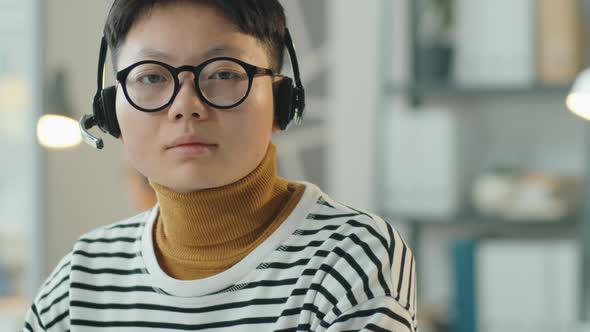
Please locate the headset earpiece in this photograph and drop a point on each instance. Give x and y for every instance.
(105, 114)
(284, 97)
(108, 99)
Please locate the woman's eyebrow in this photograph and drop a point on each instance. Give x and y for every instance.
(222, 49)
(216, 50)
(153, 53)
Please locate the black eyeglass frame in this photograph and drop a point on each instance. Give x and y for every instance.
(251, 70)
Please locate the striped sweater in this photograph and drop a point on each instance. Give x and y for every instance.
(328, 267)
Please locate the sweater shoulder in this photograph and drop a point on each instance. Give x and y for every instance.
(368, 241)
(128, 227)
(326, 208)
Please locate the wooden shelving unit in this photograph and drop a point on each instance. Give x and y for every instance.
(419, 91)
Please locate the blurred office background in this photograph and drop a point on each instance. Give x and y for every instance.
(446, 117)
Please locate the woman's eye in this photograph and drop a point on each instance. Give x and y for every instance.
(152, 79)
(225, 75)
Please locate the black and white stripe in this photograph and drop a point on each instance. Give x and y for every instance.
(328, 267)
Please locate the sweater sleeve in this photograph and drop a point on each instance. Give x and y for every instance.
(378, 314)
(395, 309)
(50, 309)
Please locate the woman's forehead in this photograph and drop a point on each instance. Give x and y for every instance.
(215, 50)
(188, 31)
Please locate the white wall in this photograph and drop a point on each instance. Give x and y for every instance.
(353, 89)
(85, 188)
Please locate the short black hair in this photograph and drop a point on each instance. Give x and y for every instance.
(263, 19)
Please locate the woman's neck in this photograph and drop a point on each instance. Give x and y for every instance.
(205, 232)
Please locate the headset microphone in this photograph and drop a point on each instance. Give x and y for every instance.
(87, 122)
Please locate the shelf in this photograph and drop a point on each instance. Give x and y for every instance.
(496, 224)
(433, 89)
(486, 226)
(475, 219)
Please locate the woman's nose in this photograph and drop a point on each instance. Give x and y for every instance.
(187, 103)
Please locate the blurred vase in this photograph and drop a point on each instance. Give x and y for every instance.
(492, 193)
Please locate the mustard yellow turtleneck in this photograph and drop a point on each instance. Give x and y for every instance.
(203, 233)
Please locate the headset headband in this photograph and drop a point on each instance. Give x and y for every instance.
(292, 55)
(299, 90)
(102, 57)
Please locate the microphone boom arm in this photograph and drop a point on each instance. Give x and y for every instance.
(86, 122)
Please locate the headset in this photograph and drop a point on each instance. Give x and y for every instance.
(289, 96)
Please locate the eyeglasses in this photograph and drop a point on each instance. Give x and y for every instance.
(151, 86)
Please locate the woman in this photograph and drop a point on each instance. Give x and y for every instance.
(230, 245)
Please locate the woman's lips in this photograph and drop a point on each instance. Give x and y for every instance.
(193, 148)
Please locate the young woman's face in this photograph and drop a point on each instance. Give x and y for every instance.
(185, 33)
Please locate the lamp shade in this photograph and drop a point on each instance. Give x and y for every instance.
(56, 129)
(578, 100)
